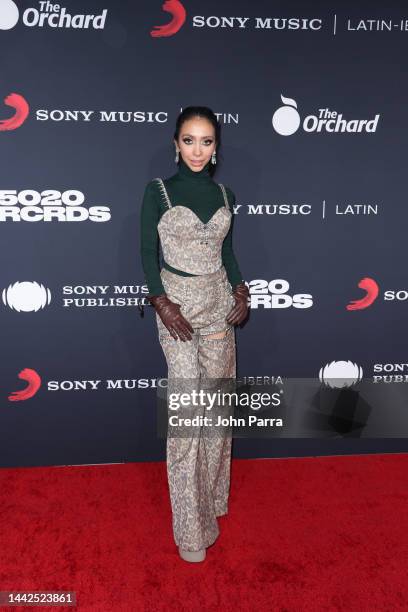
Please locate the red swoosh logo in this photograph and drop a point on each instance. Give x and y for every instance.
(178, 12)
(21, 112)
(371, 288)
(34, 383)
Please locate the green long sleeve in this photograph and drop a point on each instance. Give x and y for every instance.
(200, 193)
(149, 239)
(228, 256)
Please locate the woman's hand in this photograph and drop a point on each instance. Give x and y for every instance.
(170, 314)
(239, 312)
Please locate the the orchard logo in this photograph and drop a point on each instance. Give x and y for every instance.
(21, 111)
(33, 384)
(371, 293)
(339, 374)
(286, 121)
(178, 17)
(26, 296)
(8, 14)
(48, 14)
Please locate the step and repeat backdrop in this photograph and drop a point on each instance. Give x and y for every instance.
(312, 102)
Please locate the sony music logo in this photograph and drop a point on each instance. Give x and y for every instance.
(31, 296)
(76, 115)
(34, 383)
(263, 23)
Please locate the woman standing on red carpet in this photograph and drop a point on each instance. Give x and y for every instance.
(198, 295)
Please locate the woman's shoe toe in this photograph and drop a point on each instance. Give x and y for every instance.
(192, 555)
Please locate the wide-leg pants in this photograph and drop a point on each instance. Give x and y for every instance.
(198, 465)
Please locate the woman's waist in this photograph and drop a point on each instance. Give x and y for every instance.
(177, 271)
(175, 276)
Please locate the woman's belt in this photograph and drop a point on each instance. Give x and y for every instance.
(179, 272)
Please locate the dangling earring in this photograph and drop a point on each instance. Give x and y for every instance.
(213, 158)
(177, 156)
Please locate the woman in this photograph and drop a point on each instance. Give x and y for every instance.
(198, 295)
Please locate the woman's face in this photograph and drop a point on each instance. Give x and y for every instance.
(196, 142)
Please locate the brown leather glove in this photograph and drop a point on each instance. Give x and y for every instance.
(170, 314)
(239, 312)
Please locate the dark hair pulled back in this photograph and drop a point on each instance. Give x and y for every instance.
(190, 112)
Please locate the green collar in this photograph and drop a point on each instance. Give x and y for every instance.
(186, 173)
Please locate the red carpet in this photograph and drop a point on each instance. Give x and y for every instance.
(314, 534)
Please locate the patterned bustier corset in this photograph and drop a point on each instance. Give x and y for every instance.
(190, 245)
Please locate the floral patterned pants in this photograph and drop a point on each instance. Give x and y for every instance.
(198, 463)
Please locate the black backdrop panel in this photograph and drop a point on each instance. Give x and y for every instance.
(312, 102)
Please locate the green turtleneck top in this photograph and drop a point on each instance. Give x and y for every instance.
(199, 192)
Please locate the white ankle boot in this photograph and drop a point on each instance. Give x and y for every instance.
(192, 555)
